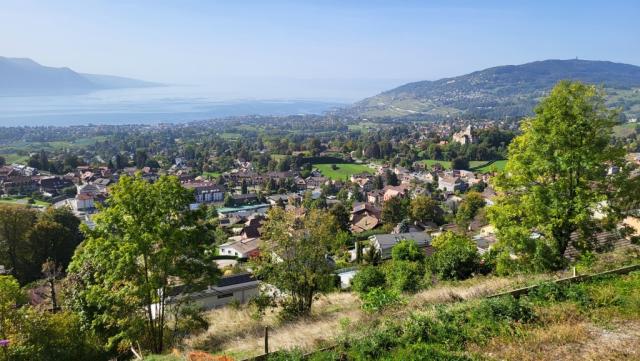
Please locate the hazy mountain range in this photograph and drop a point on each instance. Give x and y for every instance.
(23, 76)
(511, 90)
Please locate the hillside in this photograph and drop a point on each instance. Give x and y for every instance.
(511, 90)
(23, 76)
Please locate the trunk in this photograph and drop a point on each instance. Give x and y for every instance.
(54, 302)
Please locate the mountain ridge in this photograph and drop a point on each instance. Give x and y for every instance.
(502, 91)
(24, 76)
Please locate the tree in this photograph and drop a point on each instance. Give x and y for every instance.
(372, 256)
(378, 182)
(556, 177)
(394, 210)
(367, 278)
(144, 240)
(424, 209)
(407, 250)
(468, 208)
(391, 178)
(15, 224)
(460, 163)
(243, 187)
(10, 296)
(341, 215)
(294, 256)
(455, 257)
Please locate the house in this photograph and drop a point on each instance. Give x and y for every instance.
(241, 199)
(448, 183)
(394, 191)
(206, 191)
(363, 180)
(384, 243)
(18, 183)
(285, 198)
(89, 190)
(84, 202)
(244, 248)
(315, 182)
(240, 288)
(364, 217)
(53, 184)
(376, 196)
(252, 226)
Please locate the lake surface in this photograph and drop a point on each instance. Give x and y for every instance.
(144, 106)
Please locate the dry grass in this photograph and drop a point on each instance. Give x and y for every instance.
(471, 289)
(567, 341)
(235, 332)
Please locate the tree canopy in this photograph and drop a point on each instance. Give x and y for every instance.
(145, 242)
(557, 177)
(294, 256)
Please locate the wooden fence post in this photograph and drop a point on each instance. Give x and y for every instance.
(266, 340)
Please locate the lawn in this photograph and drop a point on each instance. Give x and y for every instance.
(344, 171)
(497, 165)
(430, 162)
(482, 166)
(23, 200)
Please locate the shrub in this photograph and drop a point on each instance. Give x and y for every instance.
(378, 299)
(404, 276)
(407, 250)
(376, 345)
(367, 278)
(455, 257)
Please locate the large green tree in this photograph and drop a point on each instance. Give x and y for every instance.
(557, 179)
(145, 241)
(294, 256)
(424, 209)
(15, 223)
(468, 209)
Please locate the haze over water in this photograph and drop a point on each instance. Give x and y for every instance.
(144, 105)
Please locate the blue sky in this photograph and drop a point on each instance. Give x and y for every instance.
(345, 45)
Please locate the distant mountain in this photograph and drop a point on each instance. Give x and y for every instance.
(23, 76)
(511, 90)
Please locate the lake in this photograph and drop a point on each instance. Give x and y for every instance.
(172, 104)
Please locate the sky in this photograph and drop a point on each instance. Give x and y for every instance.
(330, 49)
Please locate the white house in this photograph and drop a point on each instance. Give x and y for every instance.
(243, 248)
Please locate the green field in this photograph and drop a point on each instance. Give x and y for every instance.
(344, 171)
(497, 165)
(475, 165)
(11, 152)
(430, 162)
(23, 200)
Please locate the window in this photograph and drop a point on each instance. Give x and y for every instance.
(225, 295)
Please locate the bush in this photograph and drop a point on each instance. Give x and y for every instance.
(378, 299)
(56, 337)
(404, 276)
(376, 345)
(455, 257)
(366, 279)
(407, 250)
